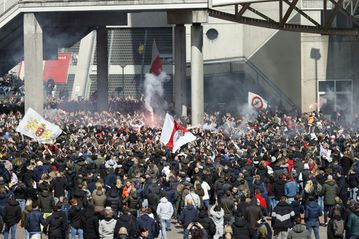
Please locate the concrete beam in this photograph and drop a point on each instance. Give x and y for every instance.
(33, 58)
(187, 16)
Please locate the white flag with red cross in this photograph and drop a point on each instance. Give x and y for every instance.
(174, 135)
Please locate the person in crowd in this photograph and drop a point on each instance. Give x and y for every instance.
(11, 217)
(298, 208)
(107, 225)
(227, 203)
(217, 215)
(188, 215)
(336, 225)
(353, 222)
(330, 191)
(164, 212)
(90, 223)
(56, 224)
(253, 214)
(75, 219)
(28, 208)
(206, 222)
(240, 227)
(312, 214)
(197, 231)
(33, 221)
(282, 218)
(299, 231)
(127, 221)
(145, 221)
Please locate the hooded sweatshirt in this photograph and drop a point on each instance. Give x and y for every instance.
(353, 223)
(164, 209)
(217, 217)
(241, 228)
(106, 228)
(299, 231)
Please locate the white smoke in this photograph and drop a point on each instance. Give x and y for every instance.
(154, 93)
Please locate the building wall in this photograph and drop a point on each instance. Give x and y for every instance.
(279, 59)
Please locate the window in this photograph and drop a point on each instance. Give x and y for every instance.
(335, 95)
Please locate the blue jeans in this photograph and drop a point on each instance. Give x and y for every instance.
(11, 229)
(165, 224)
(313, 226)
(79, 232)
(206, 203)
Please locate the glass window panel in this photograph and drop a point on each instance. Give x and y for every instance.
(325, 86)
(343, 86)
(327, 103)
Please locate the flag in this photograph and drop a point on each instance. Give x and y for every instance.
(256, 101)
(36, 127)
(156, 65)
(174, 135)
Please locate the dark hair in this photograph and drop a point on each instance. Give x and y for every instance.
(196, 233)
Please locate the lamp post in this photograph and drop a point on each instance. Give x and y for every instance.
(123, 80)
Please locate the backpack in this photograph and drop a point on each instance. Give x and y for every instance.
(338, 227)
(158, 228)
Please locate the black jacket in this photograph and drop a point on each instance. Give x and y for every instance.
(59, 186)
(75, 216)
(56, 225)
(278, 189)
(90, 223)
(282, 216)
(240, 228)
(189, 214)
(12, 213)
(207, 223)
(129, 222)
(46, 201)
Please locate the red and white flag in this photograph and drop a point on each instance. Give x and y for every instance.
(256, 101)
(156, 65)
(174, 135)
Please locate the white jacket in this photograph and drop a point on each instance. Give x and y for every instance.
(106, 228)
(194, 198)
(164, 209)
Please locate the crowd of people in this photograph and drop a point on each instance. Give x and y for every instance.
(260, 175)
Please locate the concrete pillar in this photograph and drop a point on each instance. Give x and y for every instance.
(33, 59)
(197, 81)
(179, 86)
(102, 68)
(83, 67)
